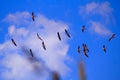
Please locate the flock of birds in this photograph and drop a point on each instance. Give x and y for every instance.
(84, 46)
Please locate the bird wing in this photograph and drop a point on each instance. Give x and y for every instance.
(39, 37)
(43, 45)
(14, 42)
(58, 35)
(31, 52)
(67, 33)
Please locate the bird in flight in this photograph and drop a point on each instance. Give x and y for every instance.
(67, 33)
(113, 36)
(14, 42)
(85, 50)
(83, 28)
(31, 52)
(104, 48)
(86, 47)
(33, 16)
(39, 37)
(43, 44)
(58, 34)
(78, 49)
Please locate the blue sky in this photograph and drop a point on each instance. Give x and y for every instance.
(100, 17)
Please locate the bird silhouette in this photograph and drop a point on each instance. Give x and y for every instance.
(43, 45)
(39, 37)
(85, 50)
(58, 34)
(67, 33)
(112, 36)
(14, 42)
(83, 28)
(33, 16)
(78, 49)
(31, 53)
(104, 48)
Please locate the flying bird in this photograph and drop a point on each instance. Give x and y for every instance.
(86, 47)
(33, 16)
(104, 48)
(83, 28)
(14, 42)
(113, 36)
(85, 50)
(39, 37)
(78, 49)
(85, 53)
(31, 53)
(43, 45)
(58, 34)
(67, 33)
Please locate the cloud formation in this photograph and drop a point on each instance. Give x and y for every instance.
(99, 28)
(99, 16)
(24, 31)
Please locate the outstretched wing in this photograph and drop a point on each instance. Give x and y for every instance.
(14, 42)
(67, 33)
(39, 37)
(43, 44)
(31, 53)
(58, 36)
(113, 36)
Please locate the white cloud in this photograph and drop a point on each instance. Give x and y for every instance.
(19, 68)
(99, 15)
(102, 9)
(12, 30)
(99, 28)
(18, 18)
(25, 35)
